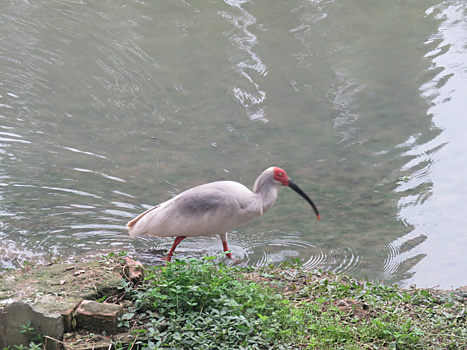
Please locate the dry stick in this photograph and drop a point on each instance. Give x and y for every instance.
(134, 342)
(19, 262)
(55, 340)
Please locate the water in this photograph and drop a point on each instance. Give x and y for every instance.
(110, 107)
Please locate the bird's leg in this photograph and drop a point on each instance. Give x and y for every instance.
(176, 243)
(226, 249)
(224, 244)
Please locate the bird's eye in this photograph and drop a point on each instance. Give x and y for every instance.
(281, 174)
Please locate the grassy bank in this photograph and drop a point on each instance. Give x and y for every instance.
(203, 304)
(199, 304)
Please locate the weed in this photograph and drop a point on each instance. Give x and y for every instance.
(30, 332)
(35, 338)
(199, 304)
(204, 306)
(114, 258)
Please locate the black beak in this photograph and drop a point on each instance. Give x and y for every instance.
(297, 189)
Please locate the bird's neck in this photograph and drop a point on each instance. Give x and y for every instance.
(267, 194)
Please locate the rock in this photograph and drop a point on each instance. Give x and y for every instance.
(98, 317)
(48, 297)
(16, 314)
(342, 303)
(65, 306)
(133, 270)
(61, 279)
(462, 291)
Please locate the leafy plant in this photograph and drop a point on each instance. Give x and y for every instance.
(204, 306)
(113, 257)
(200, 304)
(35, 338)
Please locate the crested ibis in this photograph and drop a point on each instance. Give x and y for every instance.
(213, 209)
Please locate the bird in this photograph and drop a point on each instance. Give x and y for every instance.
(213, 209)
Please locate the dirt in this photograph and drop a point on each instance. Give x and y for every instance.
(89, 280)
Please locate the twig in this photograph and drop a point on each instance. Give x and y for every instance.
(21, 265)
(55, 340)
(134, 341)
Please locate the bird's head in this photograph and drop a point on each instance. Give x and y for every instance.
(281, 176)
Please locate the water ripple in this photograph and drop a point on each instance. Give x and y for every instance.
(101, 174)
(246, 60)
(84, 152)
(70, 190)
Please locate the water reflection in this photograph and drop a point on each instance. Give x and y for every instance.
(375, 139)
(439, 220)
(246, 62)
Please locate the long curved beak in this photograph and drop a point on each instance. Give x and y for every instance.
(297, 189)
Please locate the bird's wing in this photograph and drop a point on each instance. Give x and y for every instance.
(204, 210)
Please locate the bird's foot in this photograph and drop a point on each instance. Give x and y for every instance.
(234, 260)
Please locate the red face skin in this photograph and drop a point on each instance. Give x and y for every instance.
(281, 176)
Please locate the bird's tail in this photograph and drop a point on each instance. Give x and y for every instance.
(130, 225)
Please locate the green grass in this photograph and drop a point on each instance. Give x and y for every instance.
(202, 304)
(206, 306)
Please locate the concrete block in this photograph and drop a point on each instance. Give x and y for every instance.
(98, 317)
(64, 305)
(15, 314)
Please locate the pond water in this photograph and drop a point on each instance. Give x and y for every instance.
(110, 107)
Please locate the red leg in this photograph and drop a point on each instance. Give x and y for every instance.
(226, 248)
(176, 243)
(223, 237)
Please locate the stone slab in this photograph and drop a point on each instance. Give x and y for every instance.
(98, 317)
(15, 314)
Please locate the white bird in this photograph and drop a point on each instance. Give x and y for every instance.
(213, 209)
